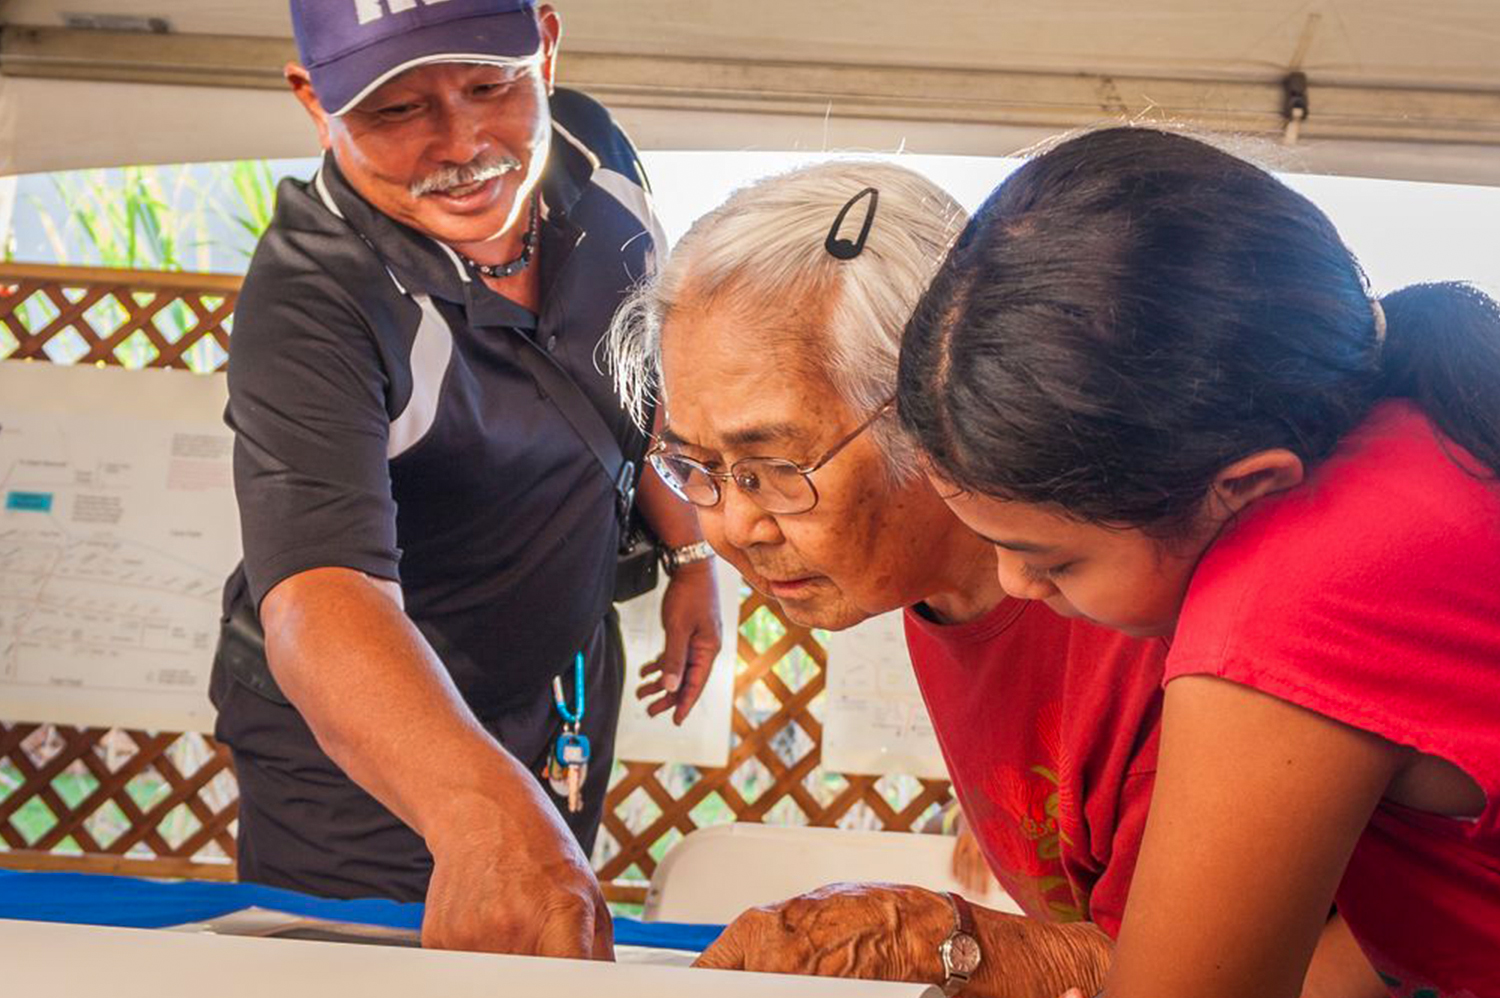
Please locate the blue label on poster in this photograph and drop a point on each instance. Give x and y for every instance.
(30, 502)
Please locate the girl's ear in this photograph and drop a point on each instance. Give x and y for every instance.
(1253, 478)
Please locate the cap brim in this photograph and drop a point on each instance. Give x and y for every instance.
(494, 38)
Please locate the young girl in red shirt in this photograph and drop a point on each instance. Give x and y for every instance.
(1153, 377)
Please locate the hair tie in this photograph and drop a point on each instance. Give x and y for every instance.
(1379, 313)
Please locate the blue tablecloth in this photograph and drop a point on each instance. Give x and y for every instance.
(128, 902)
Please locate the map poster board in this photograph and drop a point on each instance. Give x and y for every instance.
(118, 527)
(117, 530)
(703, 739)
(875, 721)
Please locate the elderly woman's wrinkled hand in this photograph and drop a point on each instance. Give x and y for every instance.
(874, 931)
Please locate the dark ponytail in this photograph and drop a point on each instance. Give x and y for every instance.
(1442, 351)
(1134, 310)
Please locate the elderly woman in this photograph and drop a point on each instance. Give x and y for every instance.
(772, 336)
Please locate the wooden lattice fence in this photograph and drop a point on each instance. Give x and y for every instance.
(163, 803)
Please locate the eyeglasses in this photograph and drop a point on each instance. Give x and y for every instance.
(774, 484)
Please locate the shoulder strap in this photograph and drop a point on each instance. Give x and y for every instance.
(559, 386)
(555, 383)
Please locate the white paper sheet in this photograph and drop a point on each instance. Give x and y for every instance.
(874, 720)
(117, 529)
(71, 960)
(265, 923)
(703, 739)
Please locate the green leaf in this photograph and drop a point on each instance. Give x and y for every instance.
(1047, 773)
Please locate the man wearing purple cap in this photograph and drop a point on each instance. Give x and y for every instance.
(433, 479)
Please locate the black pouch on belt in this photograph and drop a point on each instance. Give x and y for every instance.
(638, 565)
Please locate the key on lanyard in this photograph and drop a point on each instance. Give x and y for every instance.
(572, 752)
(573, 755)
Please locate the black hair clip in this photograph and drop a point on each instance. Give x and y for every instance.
(843, 249)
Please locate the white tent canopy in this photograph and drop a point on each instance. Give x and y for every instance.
(1393, 89)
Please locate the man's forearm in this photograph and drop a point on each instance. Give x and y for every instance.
(381, 704)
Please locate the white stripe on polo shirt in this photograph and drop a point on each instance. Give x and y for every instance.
(636, 201)
(624, 190)
(322, 188)
(431, 352)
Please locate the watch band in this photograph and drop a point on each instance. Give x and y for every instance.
(963, 913)
(674, 558)
(960, 950)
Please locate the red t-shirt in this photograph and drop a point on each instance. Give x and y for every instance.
(1371, 594)
(1049, 729)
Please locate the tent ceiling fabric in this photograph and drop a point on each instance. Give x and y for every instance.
(1395, 89)
(1444, 43)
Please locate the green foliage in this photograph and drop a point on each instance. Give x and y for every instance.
(158, 217)
(152, 218)
(136, 221)
(254, 186)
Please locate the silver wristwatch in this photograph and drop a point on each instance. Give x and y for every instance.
(960, 951)
(674, 558)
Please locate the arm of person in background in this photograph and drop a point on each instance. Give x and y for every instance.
(689, 609)
(969, 865)
(508, 876)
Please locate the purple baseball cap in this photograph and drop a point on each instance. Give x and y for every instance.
(350, 47)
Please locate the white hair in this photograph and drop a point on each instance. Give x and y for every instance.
(762, 252)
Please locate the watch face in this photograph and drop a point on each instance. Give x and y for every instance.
(963, 953)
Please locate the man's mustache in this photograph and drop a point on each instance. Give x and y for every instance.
(474, 172)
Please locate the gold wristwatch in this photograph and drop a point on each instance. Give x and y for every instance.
(960, 951)
(674, 558)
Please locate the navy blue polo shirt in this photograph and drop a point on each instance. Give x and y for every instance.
(383, 423)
